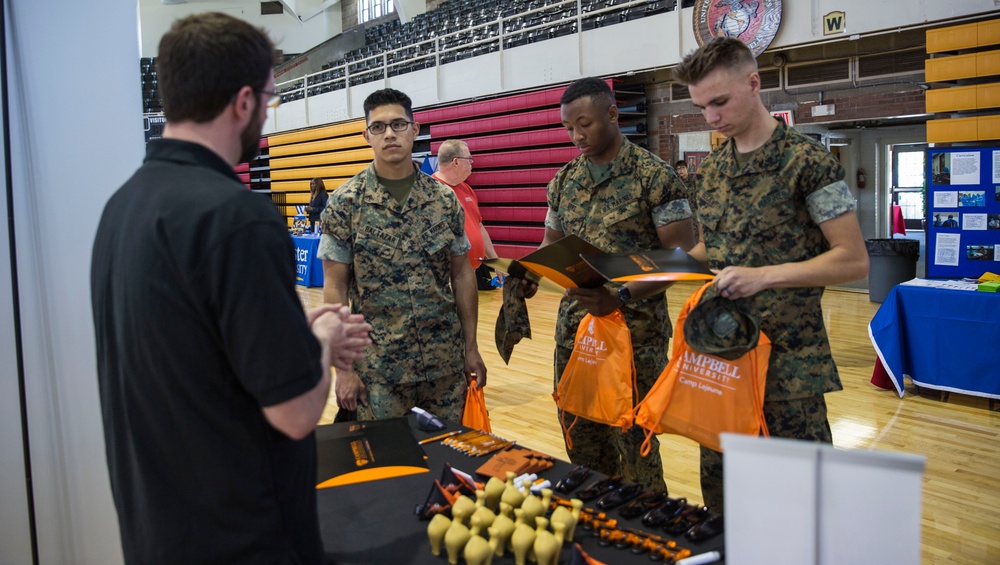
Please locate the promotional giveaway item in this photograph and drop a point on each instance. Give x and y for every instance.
(475, 415)
(715, 379)
(354, 452)
(599, 380)
(652, 265)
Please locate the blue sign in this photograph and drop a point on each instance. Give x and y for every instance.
(308, 267)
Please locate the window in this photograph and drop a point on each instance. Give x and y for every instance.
(373, 9)
(908, 182)
(908, 166)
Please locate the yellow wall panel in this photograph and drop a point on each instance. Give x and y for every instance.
(290, 186)
(955, 67)
(335, 158)
(303, 185)
(951, 99)
(312, 134)
(987, 95)
(989, 128)
(323, 146)
(989, 32)
(988, 64)
(297, 198)
(952, 130)
(323, 172)
(952, 38)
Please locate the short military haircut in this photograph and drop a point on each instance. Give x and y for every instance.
(450, 149)
(387, 97)
(205, 59)
(722, 52)
(681, 163)
(595, 88)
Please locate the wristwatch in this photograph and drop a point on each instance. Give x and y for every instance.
(624, 294)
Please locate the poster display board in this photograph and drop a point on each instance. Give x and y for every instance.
(963, 212)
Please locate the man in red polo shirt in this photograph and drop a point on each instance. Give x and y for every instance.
(454, 166)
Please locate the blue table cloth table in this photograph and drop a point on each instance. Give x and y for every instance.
(943, 339)
(308, 267)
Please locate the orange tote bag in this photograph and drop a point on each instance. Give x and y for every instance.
(475, 415)
(700, 396)
(598, 382)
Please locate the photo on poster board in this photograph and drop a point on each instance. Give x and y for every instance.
(943, 220)
(979, 252)
(941, 169)
(993, 222)
(972, 198)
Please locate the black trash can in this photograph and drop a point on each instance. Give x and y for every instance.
(891, 261)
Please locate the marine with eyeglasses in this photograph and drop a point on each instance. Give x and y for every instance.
(393, 242)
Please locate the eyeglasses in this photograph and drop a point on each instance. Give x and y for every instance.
(378, 128)
(469, 159)
(273, 98)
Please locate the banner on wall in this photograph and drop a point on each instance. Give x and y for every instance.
(754, 22)
(963, 212)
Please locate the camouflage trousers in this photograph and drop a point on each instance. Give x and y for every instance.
(444, 397)
(803, 418)
(606, 449)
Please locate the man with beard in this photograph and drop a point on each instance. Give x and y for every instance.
(212, 378)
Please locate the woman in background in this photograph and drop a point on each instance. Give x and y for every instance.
(317, 201)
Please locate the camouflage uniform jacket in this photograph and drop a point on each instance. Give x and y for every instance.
(401, 274)
(768, 213)
(618, 215)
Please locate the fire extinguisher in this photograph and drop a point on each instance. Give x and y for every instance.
(861, 178)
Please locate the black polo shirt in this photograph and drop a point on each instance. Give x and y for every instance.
(198, 326)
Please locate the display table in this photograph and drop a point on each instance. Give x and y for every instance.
(308, 267)
(942, 339)
(374, 522)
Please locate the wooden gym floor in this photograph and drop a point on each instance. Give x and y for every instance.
(959, 437)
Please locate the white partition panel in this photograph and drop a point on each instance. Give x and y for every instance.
(870, 507)
(15, 534)
(485, 68)
(791, 502)
(421, 86)
(650, 42)
(75, 116)
(538, 64)
(330, 108)
(290, 116)
(771, 501)
(356, 97)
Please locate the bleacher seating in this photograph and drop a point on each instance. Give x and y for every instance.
(456, 30)
(333, 153)
(150, 93)
(517, 141)
(461, 29)
(255, 174)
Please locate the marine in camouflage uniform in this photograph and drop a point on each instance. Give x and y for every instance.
(767, 212)
(401, 256)
(618, 212)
